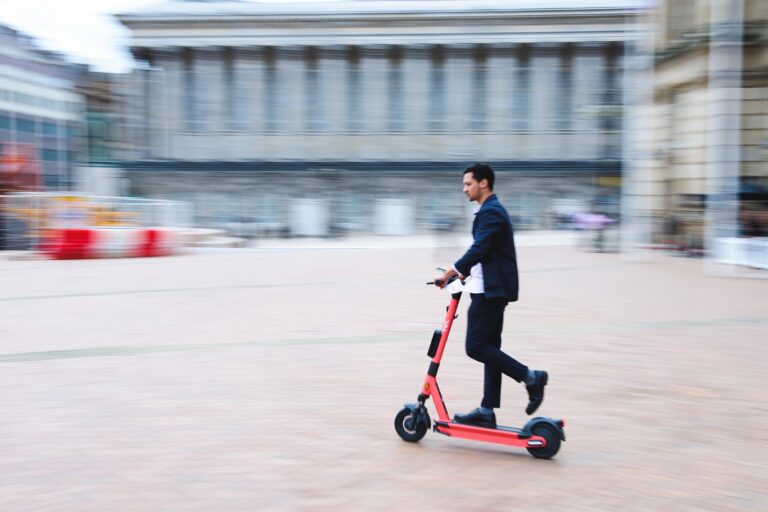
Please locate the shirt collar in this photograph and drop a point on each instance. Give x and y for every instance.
(479, 206)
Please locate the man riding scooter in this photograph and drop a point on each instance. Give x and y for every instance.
(491, 263)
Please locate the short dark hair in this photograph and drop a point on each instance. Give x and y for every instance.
(482, 172)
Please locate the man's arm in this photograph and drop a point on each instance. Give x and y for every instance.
(489, 223)
(447, 275)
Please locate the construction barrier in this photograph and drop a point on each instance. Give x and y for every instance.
(71, 225)
(80, 243)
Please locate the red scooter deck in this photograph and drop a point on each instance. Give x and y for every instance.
(501, 435)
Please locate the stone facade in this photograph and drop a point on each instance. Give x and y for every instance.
(278, 92)
(710, 118)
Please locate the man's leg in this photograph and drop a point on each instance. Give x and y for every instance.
(483, 342)
(484, 324)
(492, 375)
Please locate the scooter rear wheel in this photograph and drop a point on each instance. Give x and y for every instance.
(552, 436)
(408, 427)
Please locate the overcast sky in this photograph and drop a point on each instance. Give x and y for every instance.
(84, 30)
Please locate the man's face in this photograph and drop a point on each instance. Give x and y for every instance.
(472, 187)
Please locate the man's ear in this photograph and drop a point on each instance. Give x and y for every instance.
(481, 183)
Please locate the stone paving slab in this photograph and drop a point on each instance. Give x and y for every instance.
(268, 380)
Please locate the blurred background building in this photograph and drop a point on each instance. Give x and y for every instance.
(103, 94)
(710, 173)
(357, 116)
(365, 112)
(41, 115)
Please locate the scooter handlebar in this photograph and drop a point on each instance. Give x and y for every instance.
(438, 282)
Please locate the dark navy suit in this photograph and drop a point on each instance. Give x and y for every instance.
(494, 248)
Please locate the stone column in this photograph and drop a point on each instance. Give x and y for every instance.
(332, 69)
(458, 101)
(565, 110)
(499, 143)
(639, 129)
(723, 127)
(374, 67)
(416, 81)
(588, 80)
(500, 62)
(291, 88)
(248, 71)
(170, 118)
(353, 102)
(248, 68)
(396, 121)
(520, 98)
(210, 88)
(545, 67)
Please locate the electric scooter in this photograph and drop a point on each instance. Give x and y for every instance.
(540, 436)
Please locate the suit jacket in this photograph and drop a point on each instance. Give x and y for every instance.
(494, 247)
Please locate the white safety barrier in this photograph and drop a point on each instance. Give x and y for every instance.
(747, 252)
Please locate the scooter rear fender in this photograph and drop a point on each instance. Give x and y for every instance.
(557, 424)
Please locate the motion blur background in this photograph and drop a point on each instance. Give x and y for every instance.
(642, 122)
(304, 160)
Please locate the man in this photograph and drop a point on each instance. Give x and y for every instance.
(492, 265)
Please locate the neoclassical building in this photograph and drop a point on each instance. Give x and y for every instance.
(364, 108)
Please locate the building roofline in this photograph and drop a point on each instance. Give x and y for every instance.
(185, 11)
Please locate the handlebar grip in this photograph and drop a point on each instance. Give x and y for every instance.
(439, 282)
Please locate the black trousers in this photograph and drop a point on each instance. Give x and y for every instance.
(485, 320)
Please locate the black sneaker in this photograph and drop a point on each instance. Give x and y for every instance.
(476, 418)
(536, 391)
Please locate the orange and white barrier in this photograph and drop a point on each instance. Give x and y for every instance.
(81, 243)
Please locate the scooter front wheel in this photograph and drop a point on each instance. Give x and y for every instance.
(408, 426)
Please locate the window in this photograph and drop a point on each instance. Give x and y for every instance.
(50, 155)
(71, 131)
(25, 125)
(5, 122)
(50, 129)
(437, 89)
(681, 19)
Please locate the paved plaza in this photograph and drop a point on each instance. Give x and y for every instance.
(268, 379)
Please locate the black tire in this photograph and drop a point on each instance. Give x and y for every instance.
(552, 436)
(408, 427)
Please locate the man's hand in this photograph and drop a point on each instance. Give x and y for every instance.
(443, 279)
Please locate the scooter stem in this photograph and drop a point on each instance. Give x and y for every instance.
(450, 315)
